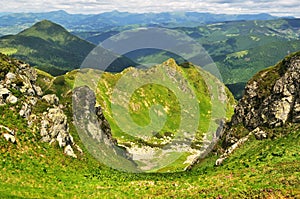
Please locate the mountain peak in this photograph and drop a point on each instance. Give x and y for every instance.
(46, 30)
(45, 24)
(171, 62)
(49, 46)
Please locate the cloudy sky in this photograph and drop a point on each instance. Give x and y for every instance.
(275, 7)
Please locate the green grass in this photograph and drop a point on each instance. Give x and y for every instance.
(8, 51)
(31, 169)
(259, 169)
(142, 121)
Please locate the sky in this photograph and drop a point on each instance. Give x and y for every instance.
(274, 7)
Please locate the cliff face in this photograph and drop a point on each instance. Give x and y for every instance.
(271, 98)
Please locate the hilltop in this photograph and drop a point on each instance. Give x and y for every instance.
(47, 46)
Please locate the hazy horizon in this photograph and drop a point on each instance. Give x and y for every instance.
(279, 8)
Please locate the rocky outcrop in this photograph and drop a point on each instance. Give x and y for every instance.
(51, 99)
(54, 127)
(18, 77)
(92, 125)
(6, 96)
(271, 98)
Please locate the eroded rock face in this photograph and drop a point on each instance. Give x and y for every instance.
(91, 123)
(279, 106)
(53, 124)
(54, 127)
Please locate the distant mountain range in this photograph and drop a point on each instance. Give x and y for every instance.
(239, 48)
(12, 23)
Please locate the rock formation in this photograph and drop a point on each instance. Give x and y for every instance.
(271, 100)
(18, 77)
(92, 125)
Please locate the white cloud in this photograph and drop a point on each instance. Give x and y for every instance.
(277, 7)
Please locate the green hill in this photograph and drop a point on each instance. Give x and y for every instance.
(215, 104)
(47, 46)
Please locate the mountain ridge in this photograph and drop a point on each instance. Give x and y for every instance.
(265, 168)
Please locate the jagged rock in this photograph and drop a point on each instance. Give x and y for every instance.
(32, 101)
(4, 93)
(25, 110)
(51, 99)
(37, 90)
(11, 99)
(296, 111)
(43, 130)
(274, 103)
(10, 78)
(54, 127)
(69, 151)
(91, 123)
(259, 134)
(10, 138)
(54, 124)
(27, 87)
(30, 73)
(104, 124)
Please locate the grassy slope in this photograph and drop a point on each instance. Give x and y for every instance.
(150, 95)
(32, 169)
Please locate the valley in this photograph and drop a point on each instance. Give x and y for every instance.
(151, 123)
